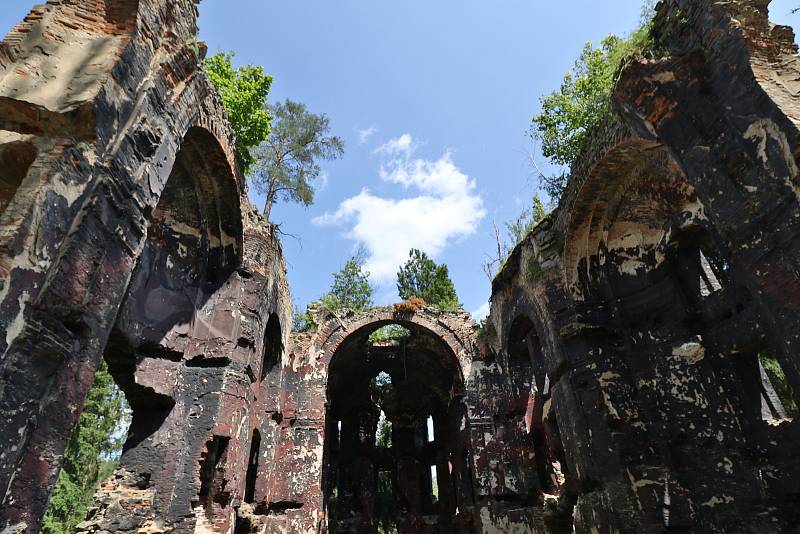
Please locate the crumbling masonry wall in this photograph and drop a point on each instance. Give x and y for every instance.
(666, 275)
(126, 233)
(323, 421)
(620, 384)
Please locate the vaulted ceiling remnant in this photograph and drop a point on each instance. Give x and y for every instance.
(639, 372)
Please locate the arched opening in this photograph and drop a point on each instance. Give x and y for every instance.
(252, 468)
(393, 428)
(273, 346)
(525, 364)
(194, 241)
(531, 402)
(213, 485)
(192, 247)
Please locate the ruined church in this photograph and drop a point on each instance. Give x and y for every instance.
(620, 387)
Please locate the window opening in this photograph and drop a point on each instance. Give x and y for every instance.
(273, 346)
(252, 468)
(389, 335)
(383, 433)
(212, 472)
(776, 392)
(434, 485)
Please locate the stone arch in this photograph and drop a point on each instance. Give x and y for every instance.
(635, 196)
(194, 242)
(368, 481)
(334, 332)
(154, 215)
(192, 249)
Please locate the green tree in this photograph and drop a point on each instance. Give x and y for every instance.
(583, 99)
(302, 321)
(288, 158)
(244, 92)
(90, 455)
(422, 277)
(351, 288)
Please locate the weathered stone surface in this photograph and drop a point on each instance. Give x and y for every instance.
(671, 266)
(126, 233)
(619, 386)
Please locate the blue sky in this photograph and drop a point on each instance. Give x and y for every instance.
(433, 100)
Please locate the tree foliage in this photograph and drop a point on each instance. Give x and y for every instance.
(351, 288)
(389, 334)
(288, 159)
(582, 100)
(422, 277)
(302, 320)
(90, 454)
(244, 92)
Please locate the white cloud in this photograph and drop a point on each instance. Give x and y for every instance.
(400, 146)
(323, 181)
(364, 135)
(446, 207)
(482, 312)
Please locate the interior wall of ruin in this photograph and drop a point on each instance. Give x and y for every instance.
(664, 278)
(126, 234)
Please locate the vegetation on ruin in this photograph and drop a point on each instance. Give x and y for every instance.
(279, 145)
(584, 99)
(302, 320)
(244, 92)
(411, 305)
(534, 270)
(516, 231)
(390, 334)
(287, 161)
(422, 277)
(351, 288)
(487, 330)
(90, 455)
(519, 228)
